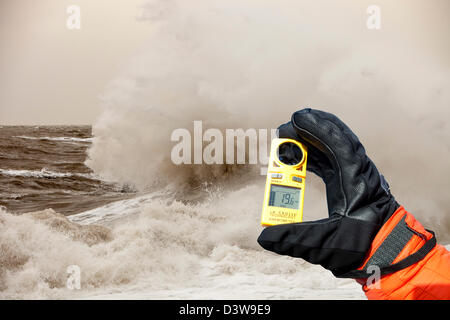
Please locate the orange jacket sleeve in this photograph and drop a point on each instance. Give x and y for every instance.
(428, 279)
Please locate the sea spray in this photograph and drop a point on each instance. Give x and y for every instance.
(241, 64)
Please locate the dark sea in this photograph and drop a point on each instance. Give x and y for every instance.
(43, 167)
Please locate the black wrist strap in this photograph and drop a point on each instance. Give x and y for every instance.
(389, 250)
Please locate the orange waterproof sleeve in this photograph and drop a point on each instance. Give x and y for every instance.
(428, 279)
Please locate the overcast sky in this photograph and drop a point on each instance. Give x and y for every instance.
(52, 75)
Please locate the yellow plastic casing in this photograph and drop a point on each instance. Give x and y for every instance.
(284, 177)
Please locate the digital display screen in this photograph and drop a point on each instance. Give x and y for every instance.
(284, 197)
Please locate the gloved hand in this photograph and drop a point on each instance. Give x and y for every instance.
(358, 196)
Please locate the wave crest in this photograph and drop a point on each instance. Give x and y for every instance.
(45, 173)
(63, 139)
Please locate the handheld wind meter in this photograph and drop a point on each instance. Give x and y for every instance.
(285, 183)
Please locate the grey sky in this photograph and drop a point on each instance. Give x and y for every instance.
(52, 75)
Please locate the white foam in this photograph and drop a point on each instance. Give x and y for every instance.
(114, 210)
(45, 173)
(64, 139)
(159, 249)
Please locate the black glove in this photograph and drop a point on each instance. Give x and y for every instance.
(358, 197)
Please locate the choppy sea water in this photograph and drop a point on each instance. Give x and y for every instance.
(43, 167)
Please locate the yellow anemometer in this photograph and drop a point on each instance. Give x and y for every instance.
(285, 184)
